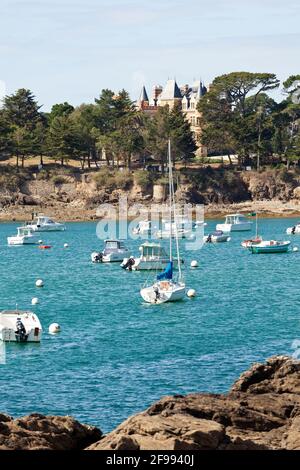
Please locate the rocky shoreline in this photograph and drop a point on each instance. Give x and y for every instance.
(65, 213)
(77, 197)
(260, 412)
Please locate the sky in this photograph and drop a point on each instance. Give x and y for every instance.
(69, 50)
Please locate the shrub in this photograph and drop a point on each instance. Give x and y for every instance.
(142, 178)
(58, 179)
(108, 179)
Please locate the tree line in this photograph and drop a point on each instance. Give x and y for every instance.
(238, 117)
(112, 128)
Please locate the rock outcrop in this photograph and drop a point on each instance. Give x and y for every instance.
(39, 432)
(261, 411)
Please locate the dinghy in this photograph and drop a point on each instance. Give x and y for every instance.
(270, 246)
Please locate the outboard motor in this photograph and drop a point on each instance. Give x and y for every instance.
(128, 265)
(208, 240)
(21, 336)
(98, 258)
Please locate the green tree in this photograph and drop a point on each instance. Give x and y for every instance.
(60, 109)
(60, 140)
(21, 109)
(238, 108)
(5, 136)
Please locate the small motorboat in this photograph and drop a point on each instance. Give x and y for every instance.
(270, 246)
(25, 236)
(295, 230)
(20, 326)
(235, 223)
(144, 227)
(42, 223)
(182, 228)
(114, 251)
(153, 257)
(216, 237)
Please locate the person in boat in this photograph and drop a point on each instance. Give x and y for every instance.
(157, 294)
(293, 230)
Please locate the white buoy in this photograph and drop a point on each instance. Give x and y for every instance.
(34, 301)
(39, 283)
(295, 248)
(54, 328)
(66, 245)
(228, 239)
(40, 241)
(191, 293)
(194, 264)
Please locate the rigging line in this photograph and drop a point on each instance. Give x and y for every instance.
(170, 195)
(175, 219)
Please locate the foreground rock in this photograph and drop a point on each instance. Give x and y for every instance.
(39, 432)
(261, 411)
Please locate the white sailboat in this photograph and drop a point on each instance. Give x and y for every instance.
(166, 288)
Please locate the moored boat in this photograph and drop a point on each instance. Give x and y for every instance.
(216, 237)
(43, 223)
(144, 227)
(153, 257)
(270, 246)
(114, 251)
(25, 236)
(167, 288)
(235, 223)
(295, 230)
(20, 326)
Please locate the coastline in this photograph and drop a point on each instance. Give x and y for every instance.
(67, 213)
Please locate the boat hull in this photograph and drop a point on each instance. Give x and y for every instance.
(293, 230)
(151, 265)
(8, 327)
(47, 228)
(264, 249)
(22, 241)
(173, 293)
(217, 239)
(242, 227)
(110, 258)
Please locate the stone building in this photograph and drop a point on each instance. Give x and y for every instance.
(170, 95)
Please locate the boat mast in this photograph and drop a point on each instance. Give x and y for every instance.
(256, 234)
(172, 197)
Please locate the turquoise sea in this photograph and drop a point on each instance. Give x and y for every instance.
(115, 355)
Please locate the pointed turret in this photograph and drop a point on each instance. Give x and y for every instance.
(143, 96)
(171, 91)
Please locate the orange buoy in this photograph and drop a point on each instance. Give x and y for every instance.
(44, 247)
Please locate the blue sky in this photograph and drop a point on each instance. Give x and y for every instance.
(68, 50)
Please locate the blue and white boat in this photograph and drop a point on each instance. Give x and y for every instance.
(166, 288)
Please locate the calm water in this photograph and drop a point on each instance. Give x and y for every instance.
(115, 355)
